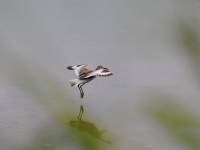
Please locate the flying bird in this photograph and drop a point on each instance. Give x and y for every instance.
(86, 75)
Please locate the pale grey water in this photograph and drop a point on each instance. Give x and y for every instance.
(134, 39)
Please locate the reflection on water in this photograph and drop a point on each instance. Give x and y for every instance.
(85, 126)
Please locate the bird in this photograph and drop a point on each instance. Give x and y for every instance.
(86, 75)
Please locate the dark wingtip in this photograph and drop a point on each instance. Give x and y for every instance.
(99, 67)
(69, 68)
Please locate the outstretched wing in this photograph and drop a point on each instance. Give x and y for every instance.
(105, 73)
(92, 73)
(83, 71)
(79, 69)
(101, 72)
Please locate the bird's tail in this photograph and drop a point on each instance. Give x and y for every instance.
(74, 82)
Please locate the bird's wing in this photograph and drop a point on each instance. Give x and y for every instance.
(93, 73)
(76, 68)
(105, 73)
(84, 71)
(79, 70)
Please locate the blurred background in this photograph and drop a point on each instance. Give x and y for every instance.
(152, 100)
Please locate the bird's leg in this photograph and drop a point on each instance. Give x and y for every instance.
(82, 94)
(81, 91)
